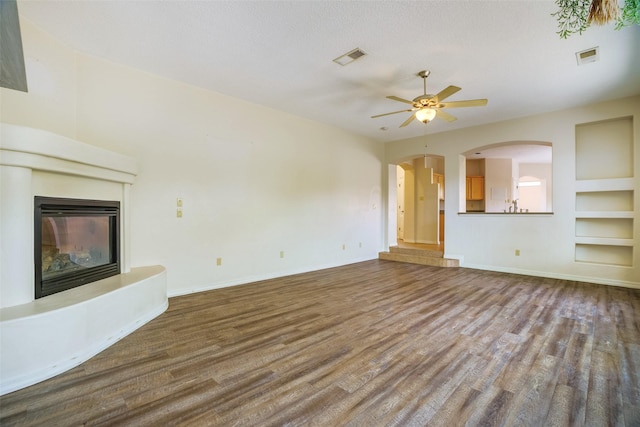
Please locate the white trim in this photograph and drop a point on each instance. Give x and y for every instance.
(258, 278)
(549, 275)
(35, 143)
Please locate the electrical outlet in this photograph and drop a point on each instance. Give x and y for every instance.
(281, 254)
(179, 213)
(218, 261)
(344, 246)
(517, 252)
(359, 244)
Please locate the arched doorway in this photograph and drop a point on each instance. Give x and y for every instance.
(419, 201)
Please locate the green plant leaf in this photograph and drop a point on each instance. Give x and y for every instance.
(572, 16)
(630, 14)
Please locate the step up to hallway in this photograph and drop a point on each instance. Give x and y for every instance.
(418, 256)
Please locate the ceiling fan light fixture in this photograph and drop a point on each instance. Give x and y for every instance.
(425, 115)
(427, 107)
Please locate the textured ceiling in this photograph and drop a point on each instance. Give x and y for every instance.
(279, 54)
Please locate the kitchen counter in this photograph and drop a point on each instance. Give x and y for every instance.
(504, 213)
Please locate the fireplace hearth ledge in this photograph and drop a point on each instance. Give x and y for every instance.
(40, 338)
(74, 325)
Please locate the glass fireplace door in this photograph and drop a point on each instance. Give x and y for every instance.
(76, 242)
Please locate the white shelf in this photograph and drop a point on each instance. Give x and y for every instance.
(612, 255)
(604, 214)
(607, 184)
(605, 201)
(609, 241)
(606, 196)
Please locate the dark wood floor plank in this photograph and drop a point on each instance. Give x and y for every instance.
(457, 409)
(630, 382)
(575, 372)
(604, 405)
(532, 403)
(561, 411)
(375, 343)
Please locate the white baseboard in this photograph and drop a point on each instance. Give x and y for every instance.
(550, 275)
(257, 278)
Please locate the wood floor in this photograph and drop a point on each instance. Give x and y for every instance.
(370, 344)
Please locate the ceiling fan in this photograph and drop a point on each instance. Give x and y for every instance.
(427, 107)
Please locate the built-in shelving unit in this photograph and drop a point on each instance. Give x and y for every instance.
(605, 192)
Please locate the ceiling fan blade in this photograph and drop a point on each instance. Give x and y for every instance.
(409, 120)
(395, 98)
(445, 116)
(395, 112)
(446, 92)
(467, 103)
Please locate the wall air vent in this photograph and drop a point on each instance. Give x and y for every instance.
(349, 57)
(589, 55)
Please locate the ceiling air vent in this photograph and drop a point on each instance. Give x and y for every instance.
(349, 57)
(589, 55)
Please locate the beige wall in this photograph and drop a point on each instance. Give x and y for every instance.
(50, 103)
(542, 171)
(255, 182)
(498, 176)
(547, 243)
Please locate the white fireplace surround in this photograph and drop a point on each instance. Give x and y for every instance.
(44, 337)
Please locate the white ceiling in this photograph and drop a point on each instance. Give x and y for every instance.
(521, 152)
(279, 54)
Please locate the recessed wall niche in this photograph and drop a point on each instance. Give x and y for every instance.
(604, 201)
(605, 254)
(605, 149)
(605, 193)
(615, 228)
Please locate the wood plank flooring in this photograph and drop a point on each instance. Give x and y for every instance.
(376, 343)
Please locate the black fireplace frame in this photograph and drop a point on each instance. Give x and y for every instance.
(53, 206)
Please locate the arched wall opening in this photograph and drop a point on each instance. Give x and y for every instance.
(528, 165)
(416, 200)
(497, 176)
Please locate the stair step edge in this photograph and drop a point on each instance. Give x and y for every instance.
(432, 261)
(416, 251)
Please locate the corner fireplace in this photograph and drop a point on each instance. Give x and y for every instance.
(75, 242)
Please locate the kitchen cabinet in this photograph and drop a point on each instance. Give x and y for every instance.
(475, 188)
